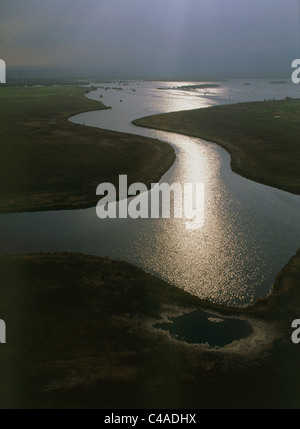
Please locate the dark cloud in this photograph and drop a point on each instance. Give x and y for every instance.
(155, 35)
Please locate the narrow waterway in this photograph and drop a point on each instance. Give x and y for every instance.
(250, 230)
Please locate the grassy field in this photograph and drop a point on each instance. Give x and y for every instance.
(262, 137)
(80, 335)
(48, 163)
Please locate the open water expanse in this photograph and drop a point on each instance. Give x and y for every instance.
(249, 232)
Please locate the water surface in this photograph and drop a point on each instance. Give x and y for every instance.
(200, 327)
(250, 230)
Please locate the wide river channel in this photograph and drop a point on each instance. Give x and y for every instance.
(249, 232)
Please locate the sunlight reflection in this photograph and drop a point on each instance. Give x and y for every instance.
(194, 205)
(249, 230)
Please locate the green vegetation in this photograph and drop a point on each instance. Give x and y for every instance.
(34, 81)
(278, 82)
(80, 335)
(49, 163)
(262, 137)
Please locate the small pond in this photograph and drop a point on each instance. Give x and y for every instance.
(201, 327)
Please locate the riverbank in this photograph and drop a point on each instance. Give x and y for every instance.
(261, 137)
(80, 335)
(48, 163)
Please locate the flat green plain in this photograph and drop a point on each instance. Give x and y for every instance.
(48, 163)
(262, 137)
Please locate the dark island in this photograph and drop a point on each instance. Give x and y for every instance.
(48, 163)
(80, 335)
(261, 137)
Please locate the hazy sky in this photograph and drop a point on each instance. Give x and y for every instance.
(222, 37)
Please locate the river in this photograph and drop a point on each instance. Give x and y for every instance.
(250, 230)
